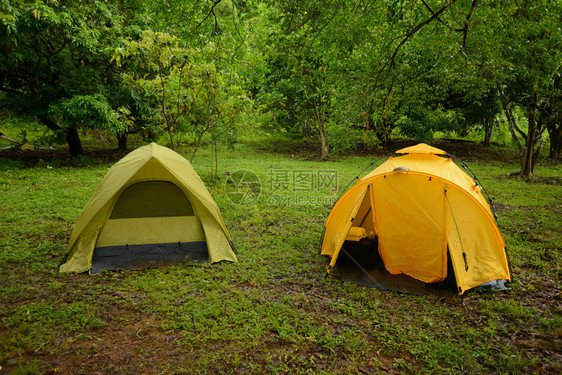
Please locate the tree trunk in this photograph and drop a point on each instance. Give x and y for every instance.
(488, 126)
(171, 134)
(199, 139)
(49, 123)
(510, 119)
(385, 134)
(527, 162)
(72, 137)
(74, 144)
(214, 159)
(555, 134)
(324, 144)
(321, 131)
(122, 141)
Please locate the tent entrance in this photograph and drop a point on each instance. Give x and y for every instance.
(152, 223)
(360, 263)
(411, 221)
(408, 214)
(151, 199)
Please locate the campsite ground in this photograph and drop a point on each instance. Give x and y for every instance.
(274, 311)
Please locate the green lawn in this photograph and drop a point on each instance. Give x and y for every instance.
(274, 311)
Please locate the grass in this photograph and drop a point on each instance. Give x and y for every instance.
(274, 311)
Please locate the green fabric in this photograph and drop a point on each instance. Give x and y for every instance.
(150, 230)
(148, 163)
(151, 199)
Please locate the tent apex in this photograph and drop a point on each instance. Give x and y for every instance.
(421, 148)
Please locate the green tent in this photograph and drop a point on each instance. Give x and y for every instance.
(151, 208)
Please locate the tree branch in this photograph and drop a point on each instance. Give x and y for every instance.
(325, 25)
(211, 12)
(510, 120)
(465, 28)
(49, 122)
(416, 29)
(237, 32)
(432, 12)
(5, 137)
(390, 62)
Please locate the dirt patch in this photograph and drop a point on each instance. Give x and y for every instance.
(544, 296)
(539, 180)
(546, 180)
(498, 207)
(140, 347)
(462, 149)
(60, 157)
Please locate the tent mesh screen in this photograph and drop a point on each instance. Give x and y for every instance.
(151, 199)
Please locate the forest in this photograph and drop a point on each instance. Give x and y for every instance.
(271, 90)
(340, 74)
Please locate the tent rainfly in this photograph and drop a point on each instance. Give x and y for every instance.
(151, 208)
(415, 223)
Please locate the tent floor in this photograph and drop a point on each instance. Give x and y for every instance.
(134, 257)
(360, 263)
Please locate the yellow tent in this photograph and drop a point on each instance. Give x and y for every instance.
(427, 219)
(150, 208)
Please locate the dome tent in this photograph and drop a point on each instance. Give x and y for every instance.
(415, 222)
(150, 208)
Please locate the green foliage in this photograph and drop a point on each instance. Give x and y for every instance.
(56, 65)
(186, 92)
(88, 111)
(344, 140)
(516, 48)
(23, 129)
(294, 68)
(422, 127)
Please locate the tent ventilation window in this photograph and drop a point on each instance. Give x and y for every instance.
(151, 199)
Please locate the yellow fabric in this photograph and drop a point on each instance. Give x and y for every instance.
(148, 163)
(356, 234)
(364, 217)
(148, 230)
(419, 211)
(347, 207)
(436, 166)
(474, 232)
(421, 148)
(410, 218)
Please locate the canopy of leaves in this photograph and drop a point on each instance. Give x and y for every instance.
(308, 67)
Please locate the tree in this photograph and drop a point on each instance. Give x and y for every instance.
(56, 63)
(186, 94)
(299, 83)
(551, 108)
(516, 45)
(401, 79)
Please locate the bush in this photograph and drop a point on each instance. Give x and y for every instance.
(344, 139)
